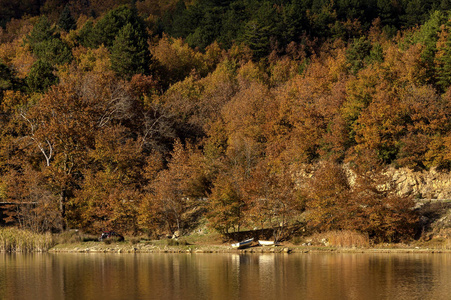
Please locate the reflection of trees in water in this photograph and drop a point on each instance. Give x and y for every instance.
(225, 276)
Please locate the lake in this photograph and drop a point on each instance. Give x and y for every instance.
(225, 276)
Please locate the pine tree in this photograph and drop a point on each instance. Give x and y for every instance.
(86, 35)
(41, 76)
(53, 51)
(8, 79)
(47, 45)
(256, 37)
(42, 31)
(130, 54)
(112, 23)
(66, 20)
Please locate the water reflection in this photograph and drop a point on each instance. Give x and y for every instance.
(225, 276)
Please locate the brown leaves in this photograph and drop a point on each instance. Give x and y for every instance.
(34, 206)
(178, 189)
(369, 204)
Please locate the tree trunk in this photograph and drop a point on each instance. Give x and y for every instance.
(62, 204)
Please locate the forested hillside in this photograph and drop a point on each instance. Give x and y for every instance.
(156, 116)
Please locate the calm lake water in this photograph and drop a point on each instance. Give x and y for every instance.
(225, 276)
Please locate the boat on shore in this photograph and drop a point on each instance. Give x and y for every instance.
(243, 244)
(267, 243)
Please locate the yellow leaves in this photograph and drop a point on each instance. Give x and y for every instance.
(105, 202)
(441, 43)
(283, 70)
(187, 89)
(240, 53)
(178, 58)
(17, 54)
(95, 60)
(379, 124)
(329, 68)
(337, 65)
(360, 92)
(249, 72)
(13, 100)
(13, 50)
(7, 52)
(404, 67)
(245, 113)
(439, 151)
(213, 55)
(114, 149)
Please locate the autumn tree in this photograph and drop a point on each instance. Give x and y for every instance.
(110, 195)
(377, 210)
(326, 194)
(272, 198)
(33, 206)
(226, 205)
(178, 191)
(426, 122)
(361, 199)
(63, 123)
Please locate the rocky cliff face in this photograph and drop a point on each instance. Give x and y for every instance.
(432, 190)
(431, 184)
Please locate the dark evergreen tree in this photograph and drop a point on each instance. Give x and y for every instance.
(357, 53)
(207, 32)
(256, 37)
(105, 31)
(53, 51)
(130, 54)
(42, 31)
(428, 36)
(47, 45)
(182, 20)
(389, 12)
(443, 71)
(294, 21)
(66, 20)
(232, 24)
(264, 28)
(86, 36)
(8, 80)
(16, 9)
(41, 77)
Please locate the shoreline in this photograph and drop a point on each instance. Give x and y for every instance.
(124, 247)
(13, 240)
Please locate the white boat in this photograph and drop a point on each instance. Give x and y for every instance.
(266, 243)
(243, 244)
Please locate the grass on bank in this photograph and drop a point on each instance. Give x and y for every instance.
(441, 240)
(336, 239)
(17, 240)
(352, 239)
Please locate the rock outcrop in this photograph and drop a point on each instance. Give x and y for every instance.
(430, 184)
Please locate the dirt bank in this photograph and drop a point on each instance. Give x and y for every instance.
(124, 247)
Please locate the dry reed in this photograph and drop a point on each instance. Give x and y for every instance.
(18, 240)
(343, 239)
